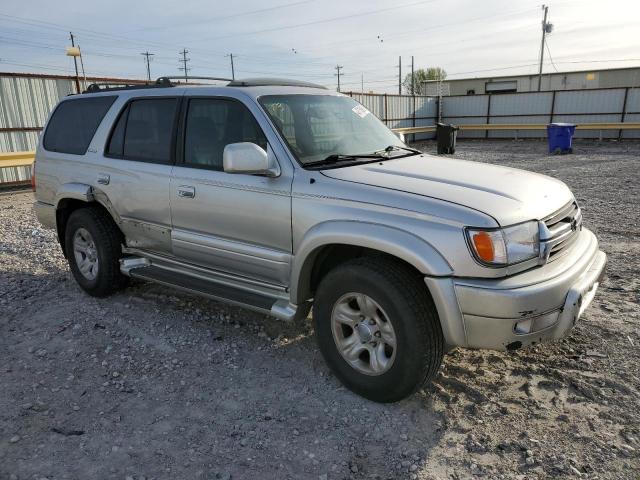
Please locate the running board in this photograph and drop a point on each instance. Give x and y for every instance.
(143, 269)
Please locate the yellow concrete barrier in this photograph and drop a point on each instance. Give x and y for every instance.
(16, 159)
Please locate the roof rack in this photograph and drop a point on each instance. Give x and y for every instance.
(164, 82)
(273, 82)
(110, 87)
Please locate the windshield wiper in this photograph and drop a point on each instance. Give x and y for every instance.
(338, 158)
(392, 148)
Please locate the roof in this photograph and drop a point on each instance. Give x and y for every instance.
(257, 86)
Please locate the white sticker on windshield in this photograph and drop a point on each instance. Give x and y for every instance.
(360, 111)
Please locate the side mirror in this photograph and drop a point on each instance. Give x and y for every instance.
(401, 137)
(249, 158)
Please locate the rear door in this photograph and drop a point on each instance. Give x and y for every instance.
(135, 170)
(234, 223)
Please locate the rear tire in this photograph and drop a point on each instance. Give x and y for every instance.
(403, 314)
(93, 246)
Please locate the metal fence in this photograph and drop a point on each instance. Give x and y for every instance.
(27, 99)
(607, 105)
(398, 111)
(25, 103)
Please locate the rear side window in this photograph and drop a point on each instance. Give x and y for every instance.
(74, 123)
(144, 131)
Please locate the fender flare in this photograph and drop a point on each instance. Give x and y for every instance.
(391, 240)
(74, 191)
(86, 193)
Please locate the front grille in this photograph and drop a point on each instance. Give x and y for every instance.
(560, 231)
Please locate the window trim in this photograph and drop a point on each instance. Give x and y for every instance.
(125, 109)
(180, 148)
(44, 134)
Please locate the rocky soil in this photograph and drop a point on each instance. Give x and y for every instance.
(156, 384)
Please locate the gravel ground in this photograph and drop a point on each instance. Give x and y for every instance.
(155, 384)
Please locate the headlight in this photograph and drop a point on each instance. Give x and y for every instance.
(505, 246)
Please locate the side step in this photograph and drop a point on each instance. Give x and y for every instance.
(270, 305)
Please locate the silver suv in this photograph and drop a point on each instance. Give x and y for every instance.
(279, 195)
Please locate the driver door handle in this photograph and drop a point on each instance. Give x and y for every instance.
(186, 191)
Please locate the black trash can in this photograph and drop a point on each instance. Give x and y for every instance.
(446, 136)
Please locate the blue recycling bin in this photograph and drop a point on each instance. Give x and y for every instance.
(559, 136)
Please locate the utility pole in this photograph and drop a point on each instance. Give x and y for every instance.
(184, 61)
(147, 55)
(233, 74)
(361, 82)
(400, 75)
(413, 80)
(338, 68)
(546, 28)
(75, 62)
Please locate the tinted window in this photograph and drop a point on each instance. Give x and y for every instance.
(116, 144)
(74, 123)
(211, 125)
(144, 130)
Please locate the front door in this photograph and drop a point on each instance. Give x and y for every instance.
(234, 223)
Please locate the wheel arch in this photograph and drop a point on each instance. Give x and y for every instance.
(348, 239)
(72, 196)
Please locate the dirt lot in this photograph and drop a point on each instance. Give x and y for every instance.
(156, 384)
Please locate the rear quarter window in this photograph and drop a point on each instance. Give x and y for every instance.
(74, 123)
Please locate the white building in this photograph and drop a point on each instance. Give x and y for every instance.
(578, 80)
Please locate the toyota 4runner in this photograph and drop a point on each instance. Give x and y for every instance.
(280, 196)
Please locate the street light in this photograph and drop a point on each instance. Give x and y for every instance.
(74, 51)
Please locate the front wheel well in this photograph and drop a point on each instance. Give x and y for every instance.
(330, 256)
(65, 208)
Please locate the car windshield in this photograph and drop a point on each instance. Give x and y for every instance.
(321, 127)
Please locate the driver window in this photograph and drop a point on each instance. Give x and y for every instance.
(211, 125)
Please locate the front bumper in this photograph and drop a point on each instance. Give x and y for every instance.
(538, 305)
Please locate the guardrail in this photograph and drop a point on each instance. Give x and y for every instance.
(15, 168)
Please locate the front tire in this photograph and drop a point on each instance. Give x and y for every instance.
(93, 246)
(377, 328)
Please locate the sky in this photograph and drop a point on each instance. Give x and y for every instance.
(307, 39)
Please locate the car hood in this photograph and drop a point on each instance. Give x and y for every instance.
(507, 194)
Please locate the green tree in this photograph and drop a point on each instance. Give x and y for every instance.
(421, 76)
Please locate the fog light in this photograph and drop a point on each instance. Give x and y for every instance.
(523, 326)
(531, 325)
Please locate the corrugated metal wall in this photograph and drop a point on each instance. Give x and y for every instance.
(583, 106)
(398, 111)
(25, 103)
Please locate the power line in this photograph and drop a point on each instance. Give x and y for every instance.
(147, 56)
(75, 63)
(546, 28)
(550, 57)
(325, 20)
(233, 75)
(226, 17)
(338, 68)
(184, 61)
